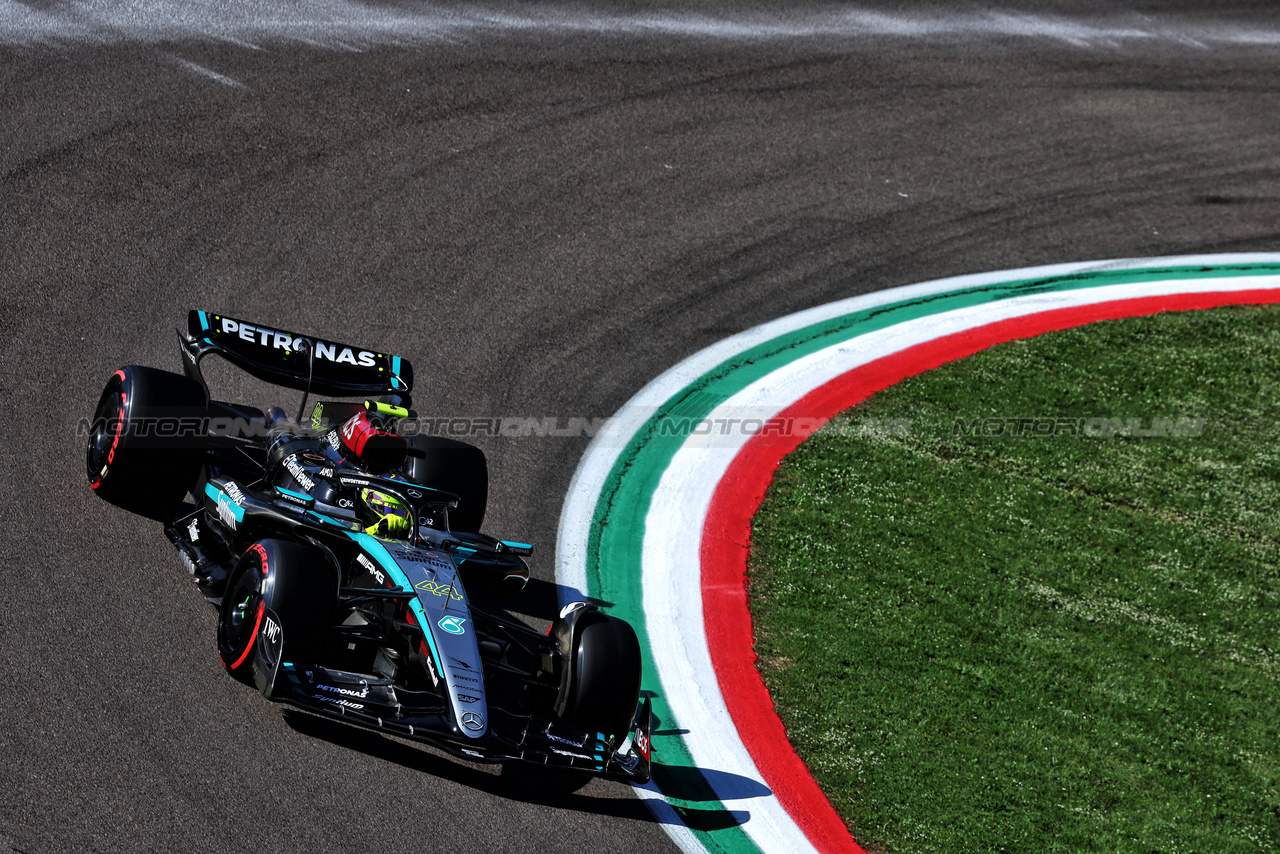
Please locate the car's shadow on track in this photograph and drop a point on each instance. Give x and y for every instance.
(524, 783)
(533, 785)
(684, 786)
(537, 785)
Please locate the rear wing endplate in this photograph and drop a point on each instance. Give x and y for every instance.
(288, 359)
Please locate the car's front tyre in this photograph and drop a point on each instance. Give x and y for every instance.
(294, 582)
(603, 688)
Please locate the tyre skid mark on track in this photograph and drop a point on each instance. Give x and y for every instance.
(207, 73)
(352, 26)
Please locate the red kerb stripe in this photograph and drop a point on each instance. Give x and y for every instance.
(726, 536)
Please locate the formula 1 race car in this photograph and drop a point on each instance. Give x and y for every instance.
(345, 557)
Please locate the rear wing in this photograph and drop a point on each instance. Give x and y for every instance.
(301, 362)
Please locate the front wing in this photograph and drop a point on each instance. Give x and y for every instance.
(380, 705)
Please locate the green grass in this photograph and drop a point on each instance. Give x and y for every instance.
(1041, 643)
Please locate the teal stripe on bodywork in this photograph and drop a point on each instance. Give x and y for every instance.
(382, 556)
(329, 521)
(294, 494)
(217, 495)
(615, 542)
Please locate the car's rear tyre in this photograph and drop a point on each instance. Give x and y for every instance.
(295, 582)
(146, 441)
(604, 689)
(452, 466)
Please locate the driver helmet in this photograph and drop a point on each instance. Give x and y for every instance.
(387, 514)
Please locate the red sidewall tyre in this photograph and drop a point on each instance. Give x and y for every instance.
(296, 583)
(147, 440)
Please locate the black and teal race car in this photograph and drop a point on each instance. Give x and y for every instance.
(344, 555)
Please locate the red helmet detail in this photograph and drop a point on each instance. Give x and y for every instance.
(376, 448)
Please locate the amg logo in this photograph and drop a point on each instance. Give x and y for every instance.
(371, 568)
(299, 473)
(264, 337)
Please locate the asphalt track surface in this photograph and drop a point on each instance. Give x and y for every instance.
(543, 207)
